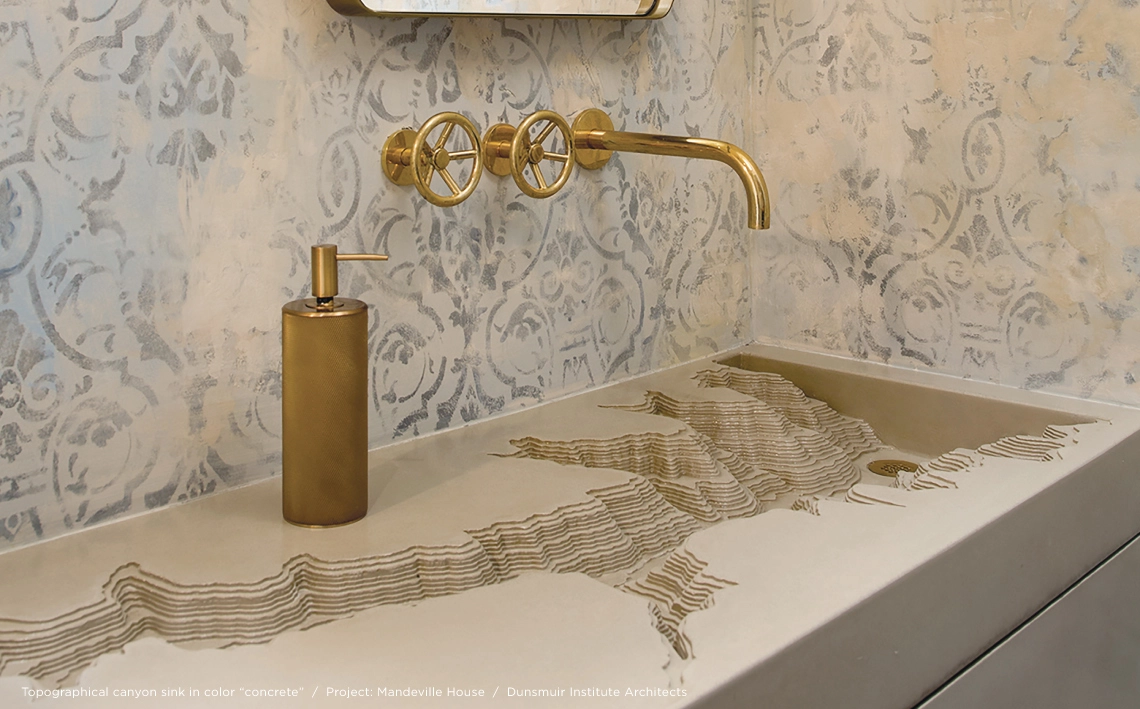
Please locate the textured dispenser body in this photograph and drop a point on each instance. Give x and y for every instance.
(324, 412)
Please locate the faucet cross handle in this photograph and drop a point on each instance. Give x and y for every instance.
(515, 152)
(410, 158)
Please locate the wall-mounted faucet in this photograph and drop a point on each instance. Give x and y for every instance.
(411, 159)
(595, 140)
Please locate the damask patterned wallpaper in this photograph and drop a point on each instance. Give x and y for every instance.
(958, 186)
(166, 164)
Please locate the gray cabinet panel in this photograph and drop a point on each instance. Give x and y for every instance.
(1082, 651)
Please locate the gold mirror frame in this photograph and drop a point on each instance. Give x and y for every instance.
(647, 10)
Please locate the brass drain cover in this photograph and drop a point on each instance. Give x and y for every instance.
(891, 468)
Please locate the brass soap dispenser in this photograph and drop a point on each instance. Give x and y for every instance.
(324, 400)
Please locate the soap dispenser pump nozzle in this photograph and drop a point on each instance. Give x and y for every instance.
(325, 258)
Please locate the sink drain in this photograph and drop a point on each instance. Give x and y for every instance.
(891, 468)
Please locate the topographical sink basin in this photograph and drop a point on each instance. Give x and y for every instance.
(709, 535)
(928, 418)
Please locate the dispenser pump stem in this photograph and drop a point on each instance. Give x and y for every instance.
(325, 257)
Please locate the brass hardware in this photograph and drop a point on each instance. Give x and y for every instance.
(646, 10)
(497, 149)
(595, 140)
(325, 258)
(510, 151)
(410, 160)
(397, 156)
(324, 400)
(891, 468)
(589, 121)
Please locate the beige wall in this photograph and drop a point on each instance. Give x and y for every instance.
(958, 187)
(166, 164)
(954, 187)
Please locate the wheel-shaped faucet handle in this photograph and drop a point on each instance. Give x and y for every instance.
(513, 151)
(410, 158)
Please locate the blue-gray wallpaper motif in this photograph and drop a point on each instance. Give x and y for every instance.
(954, 186)
(166, 164)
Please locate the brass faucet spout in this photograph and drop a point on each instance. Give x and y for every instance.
(593, 143)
